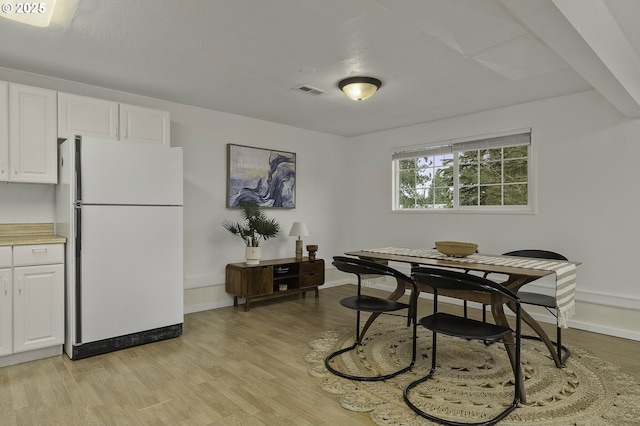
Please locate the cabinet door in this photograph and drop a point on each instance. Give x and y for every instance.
(32, 134)
(138, 124)
(4, 131)
(38, 313)
(257, 280)
(81, 115)
(6, 312)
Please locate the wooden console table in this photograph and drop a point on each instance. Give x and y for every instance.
(273, 278)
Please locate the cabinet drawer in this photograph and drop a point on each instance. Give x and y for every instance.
(312, 279)
(5, 256)
(309, 267)
(38, 254)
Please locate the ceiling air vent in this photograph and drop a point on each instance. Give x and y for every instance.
(310, 90)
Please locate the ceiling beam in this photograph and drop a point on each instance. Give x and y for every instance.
(589, 39)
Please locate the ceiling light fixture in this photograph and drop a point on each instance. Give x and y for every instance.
(359, 88)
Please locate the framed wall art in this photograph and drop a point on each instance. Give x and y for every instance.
(264, 176)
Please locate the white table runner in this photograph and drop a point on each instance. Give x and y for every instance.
(565, 272)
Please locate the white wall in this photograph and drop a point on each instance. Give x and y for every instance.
(204, 135)
(26, 203)
(208, 246)
(586, 160)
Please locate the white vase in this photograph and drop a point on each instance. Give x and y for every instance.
(252, 255)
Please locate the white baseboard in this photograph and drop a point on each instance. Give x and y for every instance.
(206, 307)
(227, 300)
(214, 297)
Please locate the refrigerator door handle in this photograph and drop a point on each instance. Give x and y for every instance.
(78, 272)
(77, 207)
(78, 171)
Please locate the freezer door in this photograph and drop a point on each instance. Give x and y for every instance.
(115, 172)
(131, 270)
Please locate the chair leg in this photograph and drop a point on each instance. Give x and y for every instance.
(358, 332)
(357, 342)
(418, 411)
(407, 389)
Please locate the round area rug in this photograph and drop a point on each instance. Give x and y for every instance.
(473, 382)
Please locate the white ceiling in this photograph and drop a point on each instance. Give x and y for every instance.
(436, 58)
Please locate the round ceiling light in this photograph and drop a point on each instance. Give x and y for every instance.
(359, 88)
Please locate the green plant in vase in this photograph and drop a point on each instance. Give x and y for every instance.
(257, 227)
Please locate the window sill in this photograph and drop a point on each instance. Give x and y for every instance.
(467, 211)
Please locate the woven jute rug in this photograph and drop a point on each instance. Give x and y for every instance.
(473, 381)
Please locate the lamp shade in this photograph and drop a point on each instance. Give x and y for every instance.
(299, 229)
(359, 88)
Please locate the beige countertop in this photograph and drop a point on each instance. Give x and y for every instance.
(14, 234)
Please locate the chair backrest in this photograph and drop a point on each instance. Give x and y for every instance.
(442, 279)
(365, 267)
(538, 254)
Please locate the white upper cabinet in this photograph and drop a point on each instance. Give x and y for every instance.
(81, 115)
(138, 124)
(33, 147)
(4, 131)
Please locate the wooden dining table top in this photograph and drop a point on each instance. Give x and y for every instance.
(453, 262)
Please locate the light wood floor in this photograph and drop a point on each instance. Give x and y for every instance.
(229, 368)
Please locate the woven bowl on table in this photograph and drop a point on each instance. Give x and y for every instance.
(456, 248)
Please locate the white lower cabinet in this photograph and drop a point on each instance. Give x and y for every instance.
(38, 298)
(6, 314)
(32, 303)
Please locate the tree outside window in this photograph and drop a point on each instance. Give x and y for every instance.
(489, 177)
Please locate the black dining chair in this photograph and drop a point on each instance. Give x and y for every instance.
(375, 305)
(468, 287)
(546, 301)
(465, 304)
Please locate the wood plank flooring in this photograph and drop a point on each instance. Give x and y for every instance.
(229, 368)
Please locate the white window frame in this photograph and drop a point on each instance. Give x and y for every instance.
(462, 144)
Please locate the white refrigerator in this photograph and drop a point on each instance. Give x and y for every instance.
(119, 204)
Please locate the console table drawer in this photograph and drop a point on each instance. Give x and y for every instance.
(311, 267)
(313, 279)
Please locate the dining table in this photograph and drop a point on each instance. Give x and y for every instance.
(518, 271)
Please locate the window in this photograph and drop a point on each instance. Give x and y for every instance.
(474, 174)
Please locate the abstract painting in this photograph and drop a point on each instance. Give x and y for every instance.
(263, 176)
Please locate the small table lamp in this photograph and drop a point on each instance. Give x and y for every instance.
(299, 229)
